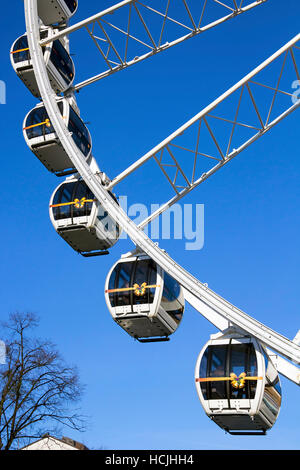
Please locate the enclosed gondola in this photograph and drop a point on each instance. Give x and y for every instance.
(42, 139)
(81, 220)
(143, 299)
(60, 66)
(56, 11)
(238, 385)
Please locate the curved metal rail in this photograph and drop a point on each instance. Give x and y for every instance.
(207, 302)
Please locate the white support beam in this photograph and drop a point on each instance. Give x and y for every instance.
(164, 207)
(285, 368)
(206, 111)
(112, 9)
(105, 23)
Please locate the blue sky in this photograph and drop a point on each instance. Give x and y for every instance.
(143, 396)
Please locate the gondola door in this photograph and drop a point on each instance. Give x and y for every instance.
(82, 203)
(133, 287)
(242, 362)
(62, 209)
(144, 276)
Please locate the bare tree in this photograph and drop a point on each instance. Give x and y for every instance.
(37, 389)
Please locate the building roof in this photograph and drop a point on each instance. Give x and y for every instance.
(48, 442)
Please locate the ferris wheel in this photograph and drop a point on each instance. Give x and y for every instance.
(237, 371)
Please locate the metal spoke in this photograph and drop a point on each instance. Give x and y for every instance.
(196, 151)
(189, 13)
(214, 138)
(202, 13)
(277, 88)
(98, 47)
(223, 5)
(145, 26)
(235, 121)
(164, 24)
(295, 63)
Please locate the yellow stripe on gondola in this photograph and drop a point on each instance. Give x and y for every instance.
(236, 382)
(46, 122)
(20, 50)
(135, 288)
(78, 203)
(219, 379)
(213, 379)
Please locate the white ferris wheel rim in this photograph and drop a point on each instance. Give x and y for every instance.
(213, 307)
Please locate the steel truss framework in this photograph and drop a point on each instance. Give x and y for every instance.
(213, 307)
(223, 128)
(131, 31)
